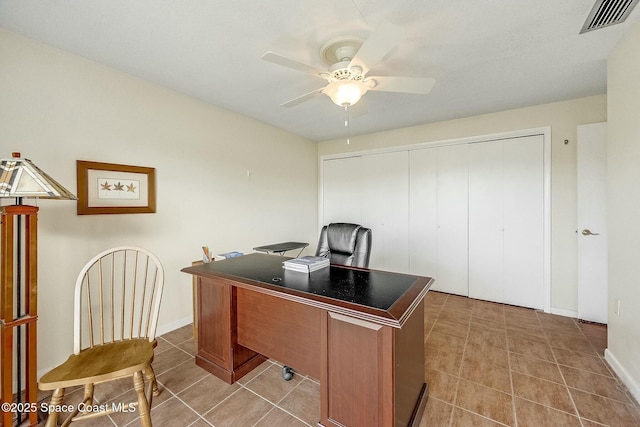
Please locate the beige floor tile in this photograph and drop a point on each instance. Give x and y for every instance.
(480, 353)
(544, 392)
(448, 327)
(493, 324)
(482, 335)
(436, 413)
(571, 342)
(171, 413)
(304, 402)
(125, 417)
(190, 346)
(257, 371)
(179, 335)
(595, 384)
(531, 348)
(271, 386)
(441, 385)
(530, 414)
(535, 367)
(169, 359)
(605, 411)
(485, 401)
(182, 376)
(243, 408)
(583, 361)
(526, 332)
(484, 372)
(463, 418)
(280, 418)
(207, 393)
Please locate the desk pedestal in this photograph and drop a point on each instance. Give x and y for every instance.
(370, 374)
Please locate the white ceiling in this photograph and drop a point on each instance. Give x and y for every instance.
(486, 55)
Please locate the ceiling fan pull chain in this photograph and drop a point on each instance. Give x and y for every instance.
(346, 122)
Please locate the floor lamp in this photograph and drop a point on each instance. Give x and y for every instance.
(19, 179)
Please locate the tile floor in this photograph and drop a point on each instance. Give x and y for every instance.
(487, 365)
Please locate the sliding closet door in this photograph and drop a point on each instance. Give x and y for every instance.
(452, 220)
(524, 222)
(506, 230)
(423, 213)
(385, 209)
(342, 190)
(486, 221)
(439, 216)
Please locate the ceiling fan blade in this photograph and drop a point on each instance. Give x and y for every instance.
(303, 98)
(384, 38)
(276, 58)
(419, 85)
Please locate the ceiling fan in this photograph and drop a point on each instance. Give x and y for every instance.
(349, 59)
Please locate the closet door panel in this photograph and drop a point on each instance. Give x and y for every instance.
(342, 190)
(524, 222)
(423, 199)
(486, 221)
(385, 209)
(452, 220)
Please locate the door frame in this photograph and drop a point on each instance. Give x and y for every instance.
(544, 131)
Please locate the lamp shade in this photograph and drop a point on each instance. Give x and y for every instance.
(346, 92)
(21, 178)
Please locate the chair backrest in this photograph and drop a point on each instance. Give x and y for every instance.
(345, 244)
(117, 297)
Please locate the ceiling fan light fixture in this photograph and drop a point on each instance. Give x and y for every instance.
(346, 93)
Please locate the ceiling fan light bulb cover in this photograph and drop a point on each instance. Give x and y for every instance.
(346, 92)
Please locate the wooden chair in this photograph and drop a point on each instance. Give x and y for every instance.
(116, 306)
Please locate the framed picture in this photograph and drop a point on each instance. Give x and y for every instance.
(109, 188)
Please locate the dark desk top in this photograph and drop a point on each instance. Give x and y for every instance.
(380, 293)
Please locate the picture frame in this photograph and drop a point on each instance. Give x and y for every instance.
(110, 188)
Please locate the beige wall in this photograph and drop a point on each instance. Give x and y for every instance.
(624, 208)
(563, 117)
(57, 108)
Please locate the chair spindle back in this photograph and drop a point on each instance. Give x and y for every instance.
(117, 297)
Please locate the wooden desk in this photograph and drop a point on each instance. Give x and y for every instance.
(360, 332)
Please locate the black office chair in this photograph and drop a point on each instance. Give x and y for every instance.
(345, 244)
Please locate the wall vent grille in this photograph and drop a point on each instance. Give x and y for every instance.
(608, 12)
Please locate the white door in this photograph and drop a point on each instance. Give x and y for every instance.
(506, 221)
(524, 221)
(342, 190)
(452, 207)
(486, 221)
(438, 216)
(385, 209)
(592, 223)
(423, 201)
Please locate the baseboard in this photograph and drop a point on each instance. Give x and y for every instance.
(631, 384)
(564, 312)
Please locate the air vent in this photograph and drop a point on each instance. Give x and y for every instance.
(608, 12)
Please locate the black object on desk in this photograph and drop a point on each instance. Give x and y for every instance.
(281, 248)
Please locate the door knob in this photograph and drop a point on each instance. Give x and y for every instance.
(587, 232)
